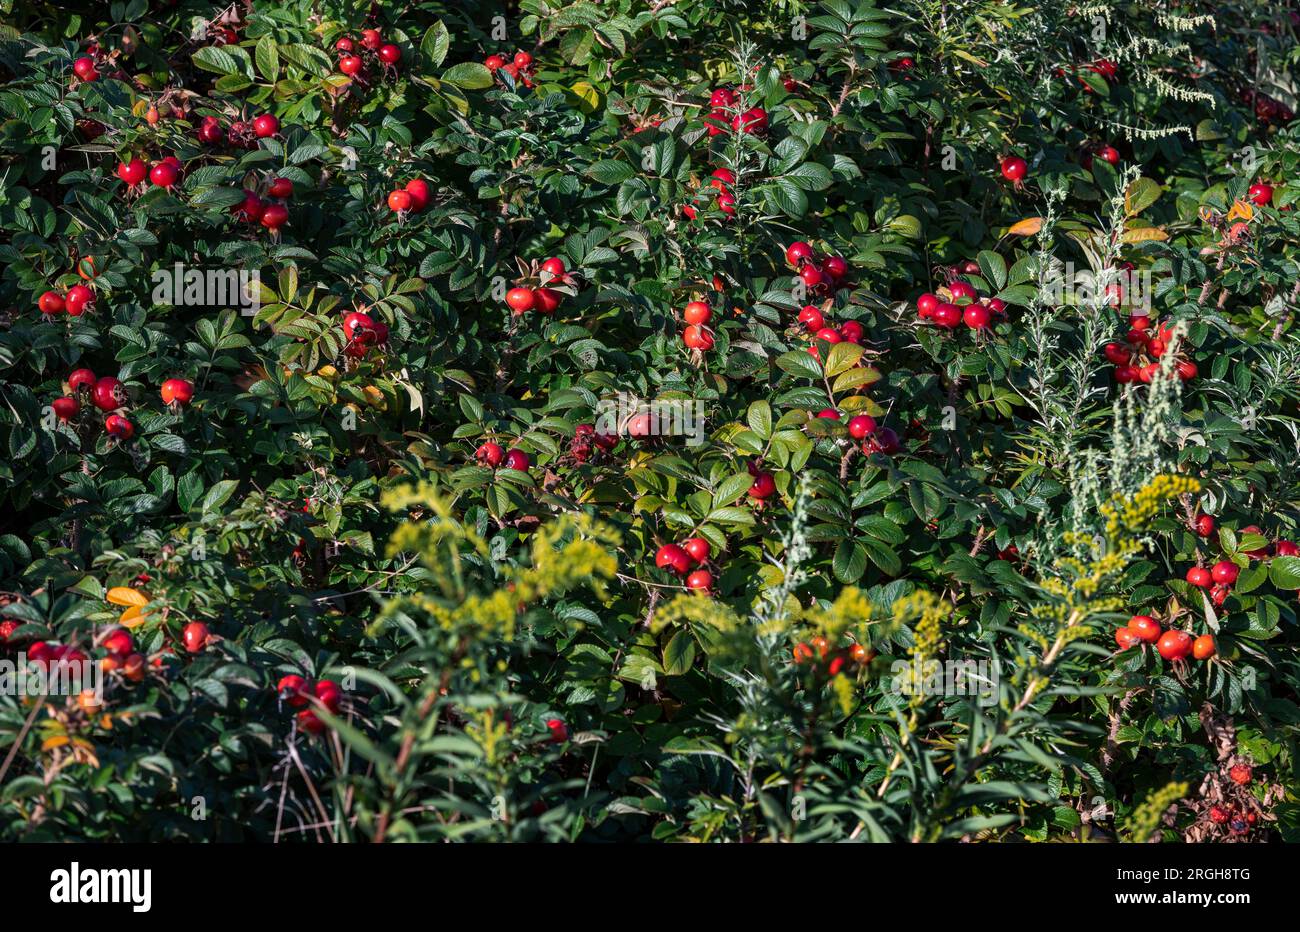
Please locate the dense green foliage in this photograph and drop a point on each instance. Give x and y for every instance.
(512, 663)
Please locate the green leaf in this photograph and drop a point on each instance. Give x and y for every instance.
(218, 494)
(801, 364)
(1285, 572)
(759, 417)
(1141, 194)
(435, 44)
(850, 561)
(785, 197)
(188, 489)
(611, 171)
(211, 58)
(732, 488)
(994, 269)
(267, 58)
(470, 75)
(679, 654)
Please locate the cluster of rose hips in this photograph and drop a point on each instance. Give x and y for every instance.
(271, 213)
(307, 696)
(697, 335)
(109, 396)
(687, 559)
(1279, 548)
(520, 67)
(1238, 818)
(1137, 359)
(362, 332)
(492, 455)
(721, 179)
(815, 323)
(1171, 644)
(1220, 577)
(86, 68)
(42, 653)
(542, 299)
(413, 196)
(47, 654)
(163, 174)
(823, 275)
(352, 60)
(724, 113)
(832, 662)
(964, 306)
(75, 301)
(585, 437)
(875, 439)
(242, 133)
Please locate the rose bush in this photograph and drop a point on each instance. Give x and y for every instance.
(651, 420)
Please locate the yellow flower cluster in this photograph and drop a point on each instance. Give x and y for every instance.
(572, 550)
(485, 731)
(1133, 514)
(850, 609)
(693, 608)
(587, 558)
(492, 614)
(843, 687)
(422, 494)
(929, 612)
(1145, 820)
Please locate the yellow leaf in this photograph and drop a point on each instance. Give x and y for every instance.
(1027, 227)
(123, 595)
(1143, 235)
(133, 617)
(855, 378)
(589, 97)
(860, 404)
(970, 58)
(57, 741)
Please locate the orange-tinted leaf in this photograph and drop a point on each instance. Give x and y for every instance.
(124, 595)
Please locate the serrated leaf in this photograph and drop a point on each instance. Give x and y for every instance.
(470, 75)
